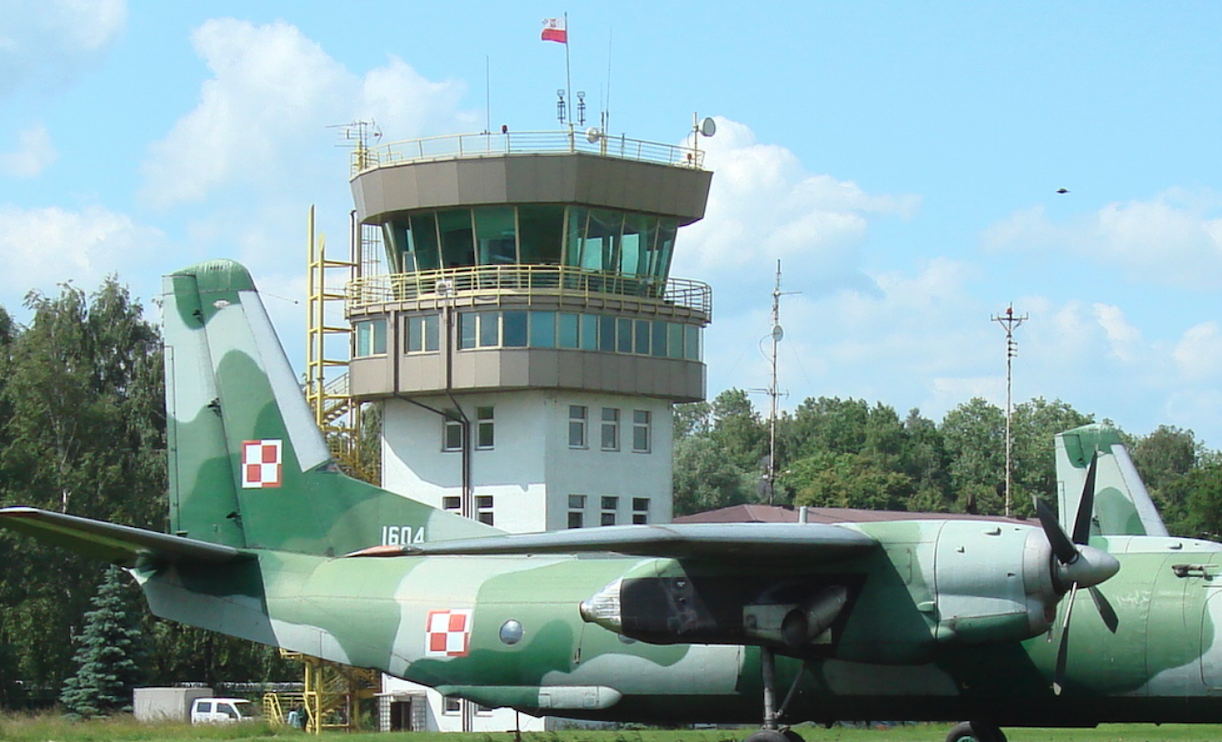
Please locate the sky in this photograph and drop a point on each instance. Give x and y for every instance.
(901, 159)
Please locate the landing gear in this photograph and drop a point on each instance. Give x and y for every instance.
(770, 732)
(975, 731)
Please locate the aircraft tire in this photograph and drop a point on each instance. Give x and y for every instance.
(766, 735)
(975, 731)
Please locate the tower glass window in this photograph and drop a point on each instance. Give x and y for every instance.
(496, 235)
(452, 432)
(370, 338)
(641, 431)
(541, 228)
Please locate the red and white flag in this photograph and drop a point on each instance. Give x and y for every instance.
(554, 30)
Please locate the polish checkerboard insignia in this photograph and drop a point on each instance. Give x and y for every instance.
(448, 633)
(262, 464)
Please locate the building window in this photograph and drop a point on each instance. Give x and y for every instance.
(370, 338)
(640, 431)
(452, 435)
(610, 505)
(640, 511)
(577, 511)
(484, 428)
(610, 429)
(451, 502)
(421, 334)
(451, 706)
(483, 509)
(577, 426)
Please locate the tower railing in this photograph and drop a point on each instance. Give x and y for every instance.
(490, 283)
(459, 146)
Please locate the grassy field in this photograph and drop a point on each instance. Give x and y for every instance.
(45, 728)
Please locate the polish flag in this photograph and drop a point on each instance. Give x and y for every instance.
(554, 30)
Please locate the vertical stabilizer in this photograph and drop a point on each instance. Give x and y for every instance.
(1122, 505)
(248, 466)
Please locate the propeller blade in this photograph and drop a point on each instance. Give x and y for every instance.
(1086, 504)
(1062, 547)
(1106, 611)
(1058, 681)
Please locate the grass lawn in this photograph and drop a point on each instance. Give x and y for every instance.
(48, 728)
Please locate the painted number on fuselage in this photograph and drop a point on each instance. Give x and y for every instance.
(400, 535)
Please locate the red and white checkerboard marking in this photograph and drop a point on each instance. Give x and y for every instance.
(448, 633)
(261, 464)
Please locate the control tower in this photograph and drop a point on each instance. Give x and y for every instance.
(526, 338)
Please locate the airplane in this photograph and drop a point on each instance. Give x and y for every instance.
(922, 620)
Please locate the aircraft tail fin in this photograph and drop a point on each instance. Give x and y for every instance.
(248, 465)
(1122, 505)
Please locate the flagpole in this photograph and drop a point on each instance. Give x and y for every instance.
(568, 77)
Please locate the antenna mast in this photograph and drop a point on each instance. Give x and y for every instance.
(773, 392)
(1009, 323)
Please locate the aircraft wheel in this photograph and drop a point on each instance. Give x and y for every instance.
(975, 731)
(766, 735)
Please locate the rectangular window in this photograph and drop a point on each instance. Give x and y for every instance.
(606, 333)
(640, 431)
(568, 327)
(691, 343)
(451, 502)
(370, 338)
(452, 706)
(642, 337)
(543, 329)
(674, 340)
(421, 334)
(577, 511)
(484, 428)
(610, 505)
(623, 340)
(483, 509)
(489, 329)
(577, 426)
(589, 332)
(467, 322)
(452, 435)
(610, 429)
(640, 511)
(513, 329)
(658, 346)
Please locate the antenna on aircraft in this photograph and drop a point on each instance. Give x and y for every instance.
(1009, 323)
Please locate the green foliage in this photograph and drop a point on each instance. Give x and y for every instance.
(110, 652)
(705, 478)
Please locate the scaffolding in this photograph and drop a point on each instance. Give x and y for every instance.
(332, 692)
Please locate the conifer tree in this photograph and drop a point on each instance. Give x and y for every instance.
(109, 654)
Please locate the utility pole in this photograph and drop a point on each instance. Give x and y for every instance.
(1009, 323)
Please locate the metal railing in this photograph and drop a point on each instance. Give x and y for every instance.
(566, 282)
(527, 142)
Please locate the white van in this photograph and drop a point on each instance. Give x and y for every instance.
(221, 710)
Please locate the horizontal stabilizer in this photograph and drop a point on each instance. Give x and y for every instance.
(121, 545)
(680, 541)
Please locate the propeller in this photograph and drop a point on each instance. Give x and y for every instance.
(1077, 564)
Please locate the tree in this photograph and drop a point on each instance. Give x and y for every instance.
(1200, 491)
(1034, 427)
(693, 418)
(974, 435)
(847, 480)
(738, 429)
(110, 653)
(704, 477)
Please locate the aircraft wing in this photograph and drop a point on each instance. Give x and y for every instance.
(680, 541)
(122, 545)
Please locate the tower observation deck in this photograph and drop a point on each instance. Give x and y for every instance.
(526, 337)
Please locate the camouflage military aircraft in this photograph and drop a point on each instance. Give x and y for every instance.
(779, 623)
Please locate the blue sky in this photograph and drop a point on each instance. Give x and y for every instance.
(901, 159)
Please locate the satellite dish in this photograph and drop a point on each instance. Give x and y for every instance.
(708, 127)
(777, 333)
(593, 134)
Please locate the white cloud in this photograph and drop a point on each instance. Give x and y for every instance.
(272, 93)
(34, 153)
(1198, 355)
(53, 245)
(764, 205)
(1125, 339)
(1174, 239)
(48, 42)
